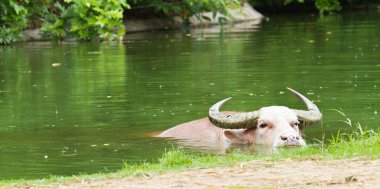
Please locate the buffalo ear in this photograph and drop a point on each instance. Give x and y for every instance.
(236, 137)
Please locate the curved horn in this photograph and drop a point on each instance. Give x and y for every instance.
(312, 115)
(232, 121)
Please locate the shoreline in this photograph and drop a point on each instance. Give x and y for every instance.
(240, 15)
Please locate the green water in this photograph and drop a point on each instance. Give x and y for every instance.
(101, 106)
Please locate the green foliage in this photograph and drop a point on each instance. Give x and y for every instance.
(17, 15)
(163, 6)
(56, 21)
(194, 7)
(327, 5)
(86, 19)
(13, 19)
(98, 18)
(82, 19)
(187, 8)
(89, 19)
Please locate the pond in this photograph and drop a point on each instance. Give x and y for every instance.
(86, 108)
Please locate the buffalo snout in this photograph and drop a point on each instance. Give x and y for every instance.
(291, 139)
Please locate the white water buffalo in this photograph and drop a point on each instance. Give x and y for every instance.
(273, 126)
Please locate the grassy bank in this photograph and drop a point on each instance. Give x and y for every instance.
(358, 144)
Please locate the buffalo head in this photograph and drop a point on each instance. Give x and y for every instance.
(274, 126)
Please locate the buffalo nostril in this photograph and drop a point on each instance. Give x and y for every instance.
(297, 137)
(284, 137)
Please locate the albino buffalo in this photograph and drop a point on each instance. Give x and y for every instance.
(273, 126)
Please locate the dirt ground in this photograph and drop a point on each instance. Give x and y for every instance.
(349, 173)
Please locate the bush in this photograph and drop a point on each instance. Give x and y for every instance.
(86, 19)
(13, 19)
(89, 19)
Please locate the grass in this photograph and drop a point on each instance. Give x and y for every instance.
(359, 143)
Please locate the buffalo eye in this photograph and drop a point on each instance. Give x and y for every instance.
(297, 124)
(263, 125)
